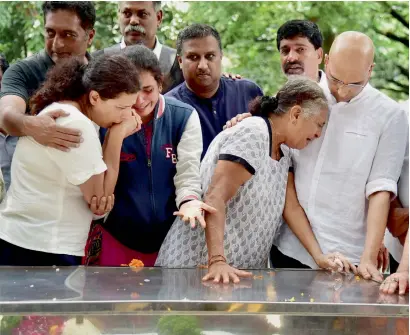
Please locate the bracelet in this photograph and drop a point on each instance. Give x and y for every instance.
(216, 261)
(216, 258)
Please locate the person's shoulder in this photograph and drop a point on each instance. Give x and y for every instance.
(37, 60)
(243, 85)
(169, 49)
(112, 49)
(75, 116)
(177, 91)
(253, 126)
(28, 66)
(174, 103)
(97, 53)
(256, 122)
(385, 105)
(22, 64)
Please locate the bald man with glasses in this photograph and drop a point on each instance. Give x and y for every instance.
(346, 179)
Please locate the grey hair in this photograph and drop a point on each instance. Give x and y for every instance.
(157, 6)
(302, 91)
(299, 90)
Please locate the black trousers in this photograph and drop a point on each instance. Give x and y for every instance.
(12, 255)
(280, 261)
(393, 264)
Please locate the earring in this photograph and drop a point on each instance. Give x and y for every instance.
(294, 121)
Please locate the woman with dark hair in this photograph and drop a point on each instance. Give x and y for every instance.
(45, 217)
(245, 177)
(159, 172)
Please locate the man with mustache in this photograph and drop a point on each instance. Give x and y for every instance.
(68, 31)
(216, 98)
(139, 22)
(300, 45)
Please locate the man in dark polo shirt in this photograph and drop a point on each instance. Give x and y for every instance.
(216, 98)
(68, 32)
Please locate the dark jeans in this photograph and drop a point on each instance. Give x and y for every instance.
(7, 147)
(280, 260)
(13, 255)
(393, 264)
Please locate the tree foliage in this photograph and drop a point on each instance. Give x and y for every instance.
(248, 31)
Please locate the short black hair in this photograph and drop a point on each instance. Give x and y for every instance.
(4, 65)
(196, 30)
(300, 28)
(144, 59)
(85, 10)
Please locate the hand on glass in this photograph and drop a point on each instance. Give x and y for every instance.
(336, 262)
(398, 280)
(221, 271)
(368, 270)
(193, 211)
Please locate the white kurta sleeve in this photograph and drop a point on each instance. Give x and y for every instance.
(388, 160)
(187, 180)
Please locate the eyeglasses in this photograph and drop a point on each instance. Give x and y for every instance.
(340, 84)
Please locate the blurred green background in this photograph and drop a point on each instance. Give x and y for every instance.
(248, 31)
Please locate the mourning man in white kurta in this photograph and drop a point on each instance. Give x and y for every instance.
(346, 179)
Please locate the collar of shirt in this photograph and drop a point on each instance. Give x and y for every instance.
(214, 98)
(157, 49)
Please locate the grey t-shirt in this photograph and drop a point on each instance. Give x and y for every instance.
(253, 215)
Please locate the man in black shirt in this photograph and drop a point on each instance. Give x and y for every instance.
(68, 31)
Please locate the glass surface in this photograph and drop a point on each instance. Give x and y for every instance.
(92, 300)
(191, 324)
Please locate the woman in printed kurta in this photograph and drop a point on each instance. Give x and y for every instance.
(245, 177)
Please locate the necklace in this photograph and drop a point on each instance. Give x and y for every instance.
(276, 155)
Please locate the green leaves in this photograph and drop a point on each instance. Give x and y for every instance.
(248, 31)
(178, 325)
